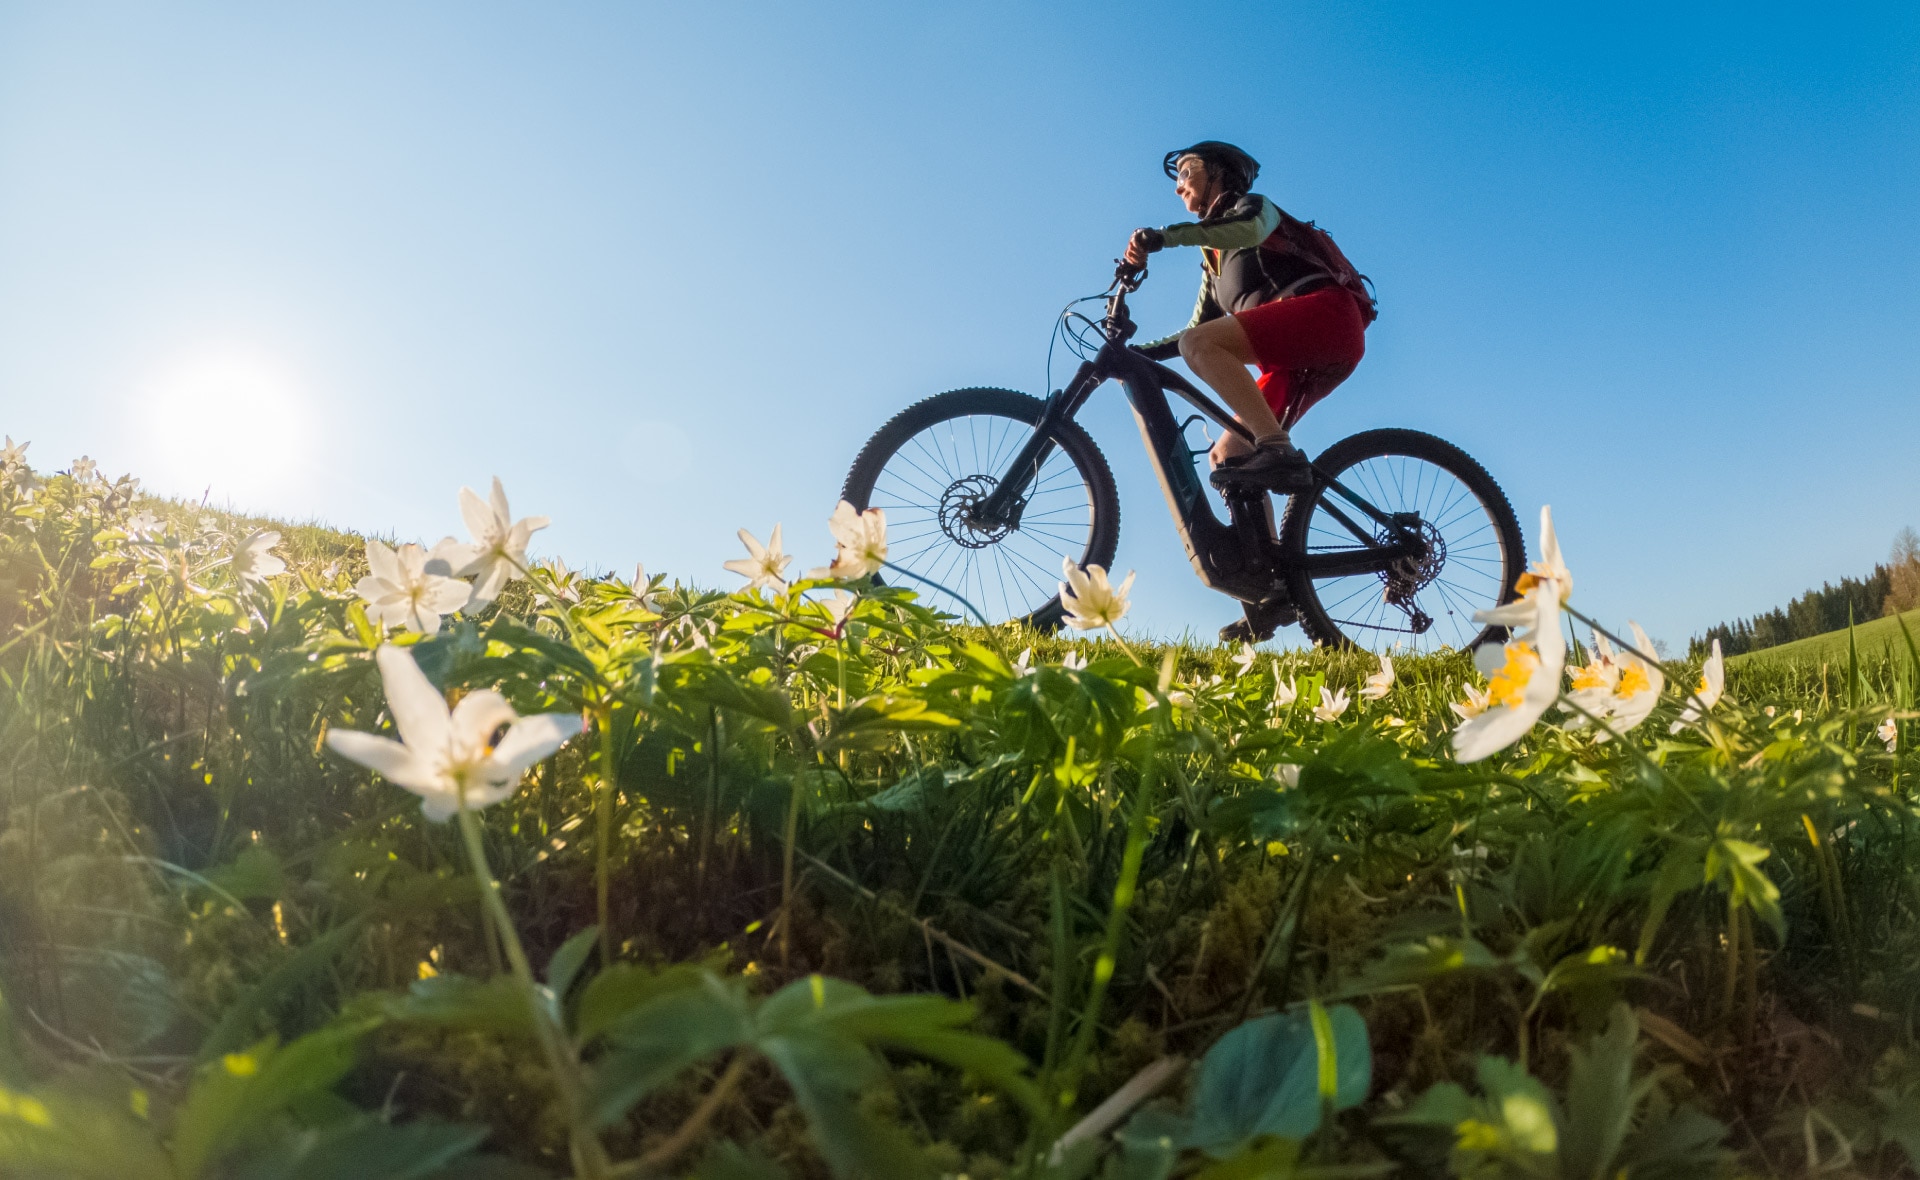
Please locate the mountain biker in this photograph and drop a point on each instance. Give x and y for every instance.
(1268, 306)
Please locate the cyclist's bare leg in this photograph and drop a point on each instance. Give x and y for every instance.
(1218, 352)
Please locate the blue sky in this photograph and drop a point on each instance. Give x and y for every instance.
(664, 268)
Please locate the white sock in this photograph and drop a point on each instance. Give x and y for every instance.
(1282, 440)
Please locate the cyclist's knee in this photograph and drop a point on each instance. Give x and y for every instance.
(1220, 337)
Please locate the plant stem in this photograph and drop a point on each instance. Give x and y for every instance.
(589, 1154)
(1103, 966)
(687, 1132)
(789, 833)
(603, 822)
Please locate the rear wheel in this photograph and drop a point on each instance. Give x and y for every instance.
(935, 460)
(1471, 552)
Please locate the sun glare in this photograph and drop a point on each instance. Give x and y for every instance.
(228, 420)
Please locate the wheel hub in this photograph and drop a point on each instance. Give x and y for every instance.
(960, 516)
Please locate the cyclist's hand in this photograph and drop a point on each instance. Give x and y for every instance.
(1143, 243)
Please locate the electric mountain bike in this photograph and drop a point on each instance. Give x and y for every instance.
(1400, 539)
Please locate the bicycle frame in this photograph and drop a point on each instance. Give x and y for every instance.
(1240, 557)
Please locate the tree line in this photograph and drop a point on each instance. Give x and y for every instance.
(1892, 587)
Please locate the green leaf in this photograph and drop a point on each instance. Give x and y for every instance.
(561, 654)
(1519, 1108)
(729, 1161)
(497, 1004)
(1600, 1098)
(51, 1133)
(1149, 1145)
(1735, 863)
(255, 873)
(1419, 962)
(657, 1041)
(232, 1097)
(609, 996)
(826, 1075)
(565, 965)
(369, 1148)
(926, 1025)
(240, 1021)
(1681, 869)
(1262, 1078)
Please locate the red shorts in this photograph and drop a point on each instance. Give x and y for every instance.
(1305, 346)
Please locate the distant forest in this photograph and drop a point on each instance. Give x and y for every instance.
(1890, 588)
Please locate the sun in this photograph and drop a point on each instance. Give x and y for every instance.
(227, 419)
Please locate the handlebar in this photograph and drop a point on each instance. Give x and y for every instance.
(1119, 326)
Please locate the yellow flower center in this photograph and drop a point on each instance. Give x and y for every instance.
(1590, 676)
(1633, 681)
(1509, 684)
(1704, 686)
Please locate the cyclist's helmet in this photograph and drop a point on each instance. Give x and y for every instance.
(1234, 168)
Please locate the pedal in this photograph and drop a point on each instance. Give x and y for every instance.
(1261, 621)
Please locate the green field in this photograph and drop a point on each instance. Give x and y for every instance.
(815, 886)
(1877, 639)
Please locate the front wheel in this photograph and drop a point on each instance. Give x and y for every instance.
(1469, 555)
(937, 459)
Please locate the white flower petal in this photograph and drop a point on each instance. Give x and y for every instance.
(419, 711)
(477, 716)
(390, 759)
(533, 738)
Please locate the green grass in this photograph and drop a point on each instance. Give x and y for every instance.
(806, 901)
(1879, 638)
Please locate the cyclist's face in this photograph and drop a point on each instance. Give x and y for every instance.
(1194, 186)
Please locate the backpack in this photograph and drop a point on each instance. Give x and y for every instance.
(1305, 240)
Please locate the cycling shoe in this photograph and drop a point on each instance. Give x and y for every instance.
(1262, 620)
(1276, 467)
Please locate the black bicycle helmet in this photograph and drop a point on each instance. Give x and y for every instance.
(1235, 168)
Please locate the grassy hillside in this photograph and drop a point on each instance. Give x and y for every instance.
(1877, 640)
(816, 886)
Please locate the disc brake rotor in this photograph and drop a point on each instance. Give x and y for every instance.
(959, 506)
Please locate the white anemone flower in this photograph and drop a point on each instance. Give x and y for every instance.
(1592, 683)
(84, 470)
(499, 550)
(1381, 682)
(468, 757)
(1023, 666)
(1331, 705)
(1526, 684)
(1618, 689)
(1550, 567)
(861, 538)
(765, 565)
(143, 524)
(1889, 732)
(1245, 660)
(840, 608)
(1287, 774)
(1475, 704)
(13, 454)
(1713, 682)
(412, 587)
(639, 591)
(1091, 601)
(251, 561)
(566, 582)
(1637, 689)
(1284, 692)
(1074, 662)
